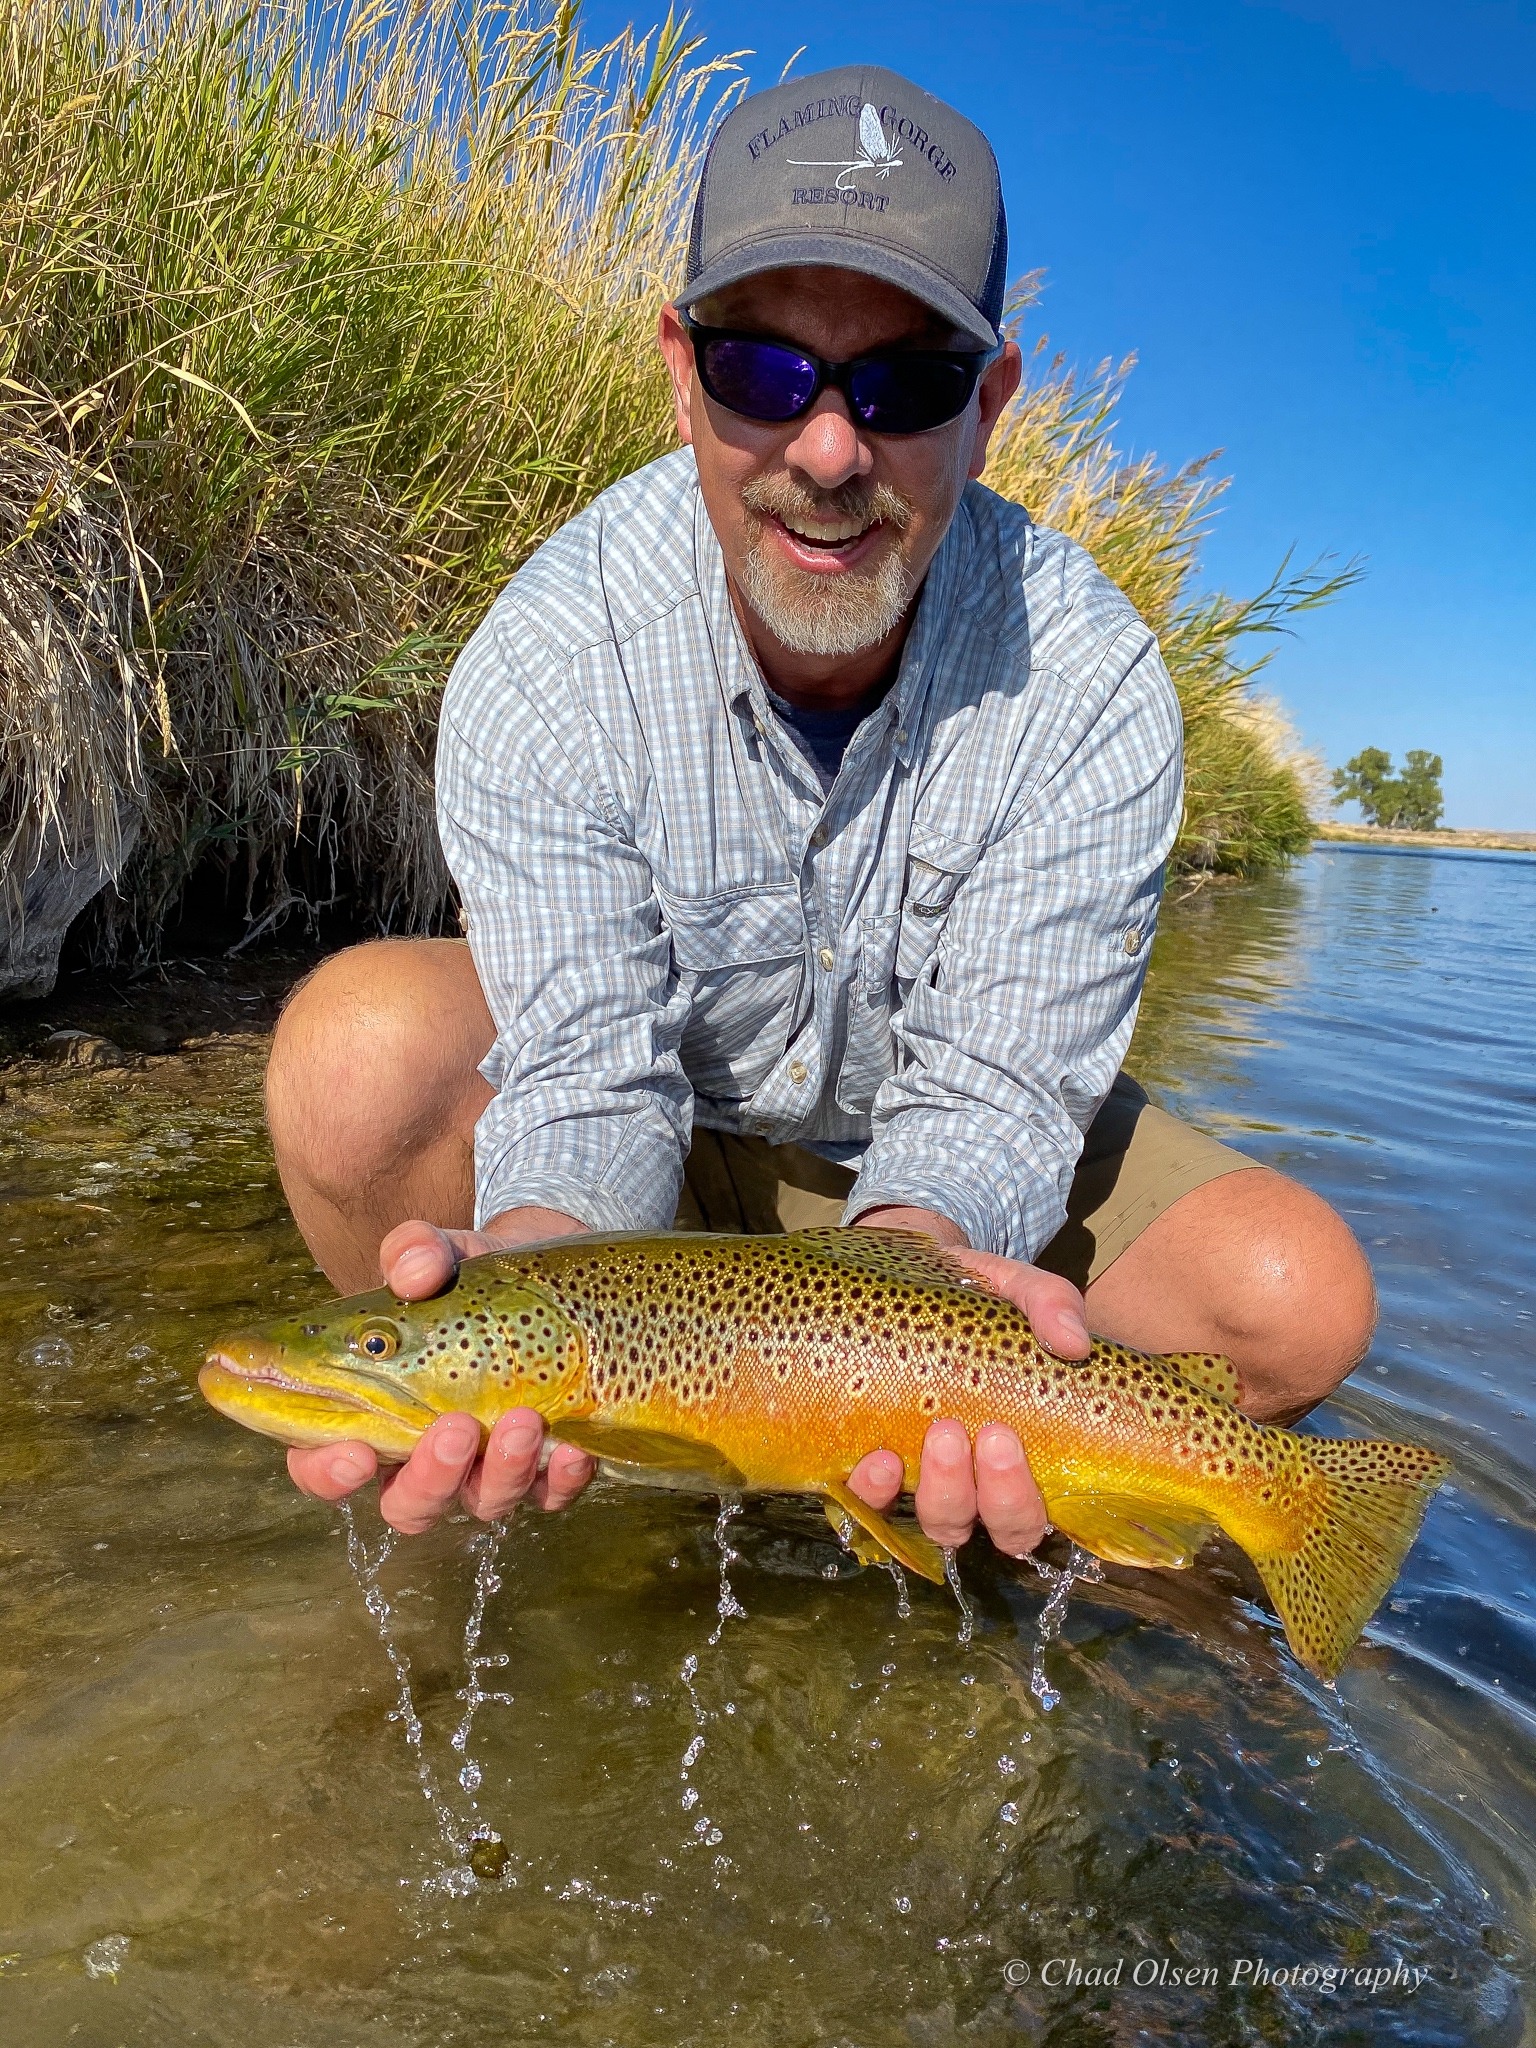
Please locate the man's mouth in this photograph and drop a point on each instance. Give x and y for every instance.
(828, 547)
(828, 533)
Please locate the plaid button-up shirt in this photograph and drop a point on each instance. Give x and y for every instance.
(931, 970)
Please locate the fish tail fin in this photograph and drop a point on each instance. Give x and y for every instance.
(1356, 1532)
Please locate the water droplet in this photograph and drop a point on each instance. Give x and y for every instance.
(1008, 1813)
(106, 1957)
(967, 1616)
(903, 1905)
(48, 1354)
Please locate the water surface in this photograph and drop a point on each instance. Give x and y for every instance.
(829, 1823)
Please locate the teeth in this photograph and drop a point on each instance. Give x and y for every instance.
(838, 530)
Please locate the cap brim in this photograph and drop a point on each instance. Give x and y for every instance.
(834, 252)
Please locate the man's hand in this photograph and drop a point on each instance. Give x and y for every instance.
(959, 1484)
(418, 1260)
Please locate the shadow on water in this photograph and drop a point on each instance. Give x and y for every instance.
(811, 1820)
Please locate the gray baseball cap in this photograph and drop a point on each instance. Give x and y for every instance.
(860, 169)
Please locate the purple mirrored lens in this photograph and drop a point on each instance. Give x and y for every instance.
(759, 378)
(908, 394)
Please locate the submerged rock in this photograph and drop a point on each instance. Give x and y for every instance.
(84, 1049)
(488, 1858)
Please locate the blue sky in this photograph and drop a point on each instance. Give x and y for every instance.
(1313, 222)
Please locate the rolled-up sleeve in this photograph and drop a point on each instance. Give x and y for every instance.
(1010, 1038)
(592, 1113)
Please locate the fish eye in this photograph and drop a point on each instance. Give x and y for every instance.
(377, 1340)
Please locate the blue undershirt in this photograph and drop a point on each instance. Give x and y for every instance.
(827, 733)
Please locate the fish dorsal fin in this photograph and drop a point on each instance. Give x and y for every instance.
(884, 1538)
(889, 1255)
(1124, 1530)
(1214, 1375)
(629, 1445)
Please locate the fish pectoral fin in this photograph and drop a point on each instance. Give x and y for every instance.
(629, 1446)
(882, 1538)
(1214, 1375)
(854, 1539)
(1123, 1530)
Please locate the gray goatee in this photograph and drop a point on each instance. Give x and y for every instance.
(811, 614)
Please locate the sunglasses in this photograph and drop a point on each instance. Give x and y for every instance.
(894, 391)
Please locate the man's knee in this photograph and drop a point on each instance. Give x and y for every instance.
(1303, 1303)
(374, 1057)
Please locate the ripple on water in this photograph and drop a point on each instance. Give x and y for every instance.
(197, 1762)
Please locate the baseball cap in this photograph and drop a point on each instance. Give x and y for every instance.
(861, 169)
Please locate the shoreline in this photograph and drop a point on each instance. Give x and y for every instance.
(1443, 838)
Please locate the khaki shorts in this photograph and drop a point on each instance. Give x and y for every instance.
(1137, 1161)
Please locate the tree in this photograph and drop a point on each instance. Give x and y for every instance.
(1420, 803)
(1411, 801)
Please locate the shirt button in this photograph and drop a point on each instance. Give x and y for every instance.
(900, 735)
(1133, 939)
(797, 1071)
(819, 836)
(827, 958)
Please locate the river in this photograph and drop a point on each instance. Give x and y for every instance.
(808, 1819)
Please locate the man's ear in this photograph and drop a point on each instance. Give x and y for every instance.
(1000, 382)
(678, 351)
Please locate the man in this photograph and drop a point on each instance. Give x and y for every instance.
(809, 808)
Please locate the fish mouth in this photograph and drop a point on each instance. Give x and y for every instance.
(222, 1364)
(252, 1382)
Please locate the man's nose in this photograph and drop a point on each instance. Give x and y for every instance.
(829, 449)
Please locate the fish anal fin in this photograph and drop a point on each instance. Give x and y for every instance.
(1215, 1376)
(1123, 1530)
(909, 1547)
(627, 1445)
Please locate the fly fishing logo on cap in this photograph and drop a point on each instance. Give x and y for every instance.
(875, 153)
(936, 230)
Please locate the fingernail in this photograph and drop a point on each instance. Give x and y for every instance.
(1072, 1326)
(416, 1264)
(454, 1436)
(949, 1445)
(348, 1469)
(999, 1450)
(521, 1439)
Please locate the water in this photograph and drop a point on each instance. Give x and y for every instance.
(211, 1831)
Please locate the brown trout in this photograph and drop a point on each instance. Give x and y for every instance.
(773, 1364)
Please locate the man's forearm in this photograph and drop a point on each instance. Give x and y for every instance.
(527, 1225)
(928, 1221)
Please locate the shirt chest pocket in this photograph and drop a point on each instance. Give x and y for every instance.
(741, 956)
(898, 949)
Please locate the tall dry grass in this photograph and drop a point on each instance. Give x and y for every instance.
(314, 321)
(1249, 786)
(315, 318)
